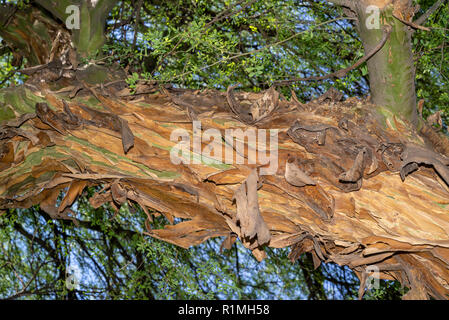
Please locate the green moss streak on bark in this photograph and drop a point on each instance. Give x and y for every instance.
(31, 160)
(17, 101)
(20, 99)
(117, 158)
(6, 113)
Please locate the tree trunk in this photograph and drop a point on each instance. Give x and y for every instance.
(391, 70)
(351, 185)
(358, 213)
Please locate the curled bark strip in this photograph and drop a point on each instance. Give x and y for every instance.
(333, 171)
(307, 243)
(113, 122)
(75, 91)
(188, 189)
(311, 128)
(360, 261)
(16, 123)
(407, 169)
(343, 124)
(251, 223)
(415, 279)
(296, 101)
(7, 155)
(260, 109)
(99, 199)
(295, 176)
(48, 204)
(419, 155)
(69, 118)
(435, 118)
(362, 287)
(75, 189)
(315, 198)
(127, 135)
(374, 163)
(189, 107)
(439, 141)
(8, 133)
(322, 203)
(265, 106)
(54, 65)
(118, 193)
(228, 242)
(317, 249)
(316, 261)
(333, 95)
(304, 244)
(351, 186)
(58, 121)
(49, 117)
(320, 131)
(356, 172)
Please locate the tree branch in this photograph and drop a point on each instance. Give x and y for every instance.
(429, 12)
(411, 23)
(136, 26)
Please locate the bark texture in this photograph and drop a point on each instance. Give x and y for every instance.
(391, 70)
(356, 184)
(352, 187)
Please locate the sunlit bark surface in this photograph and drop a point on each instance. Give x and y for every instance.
(348, 205)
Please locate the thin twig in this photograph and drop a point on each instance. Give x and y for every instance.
(138, 8)
(222, 15)
(411, 24)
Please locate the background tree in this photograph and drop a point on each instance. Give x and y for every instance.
(255, 43)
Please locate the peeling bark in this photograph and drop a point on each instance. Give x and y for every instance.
(54, 138)
(381, 222)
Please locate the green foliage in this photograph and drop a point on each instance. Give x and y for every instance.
(432, 62)
(217, 44)
(133, 80)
